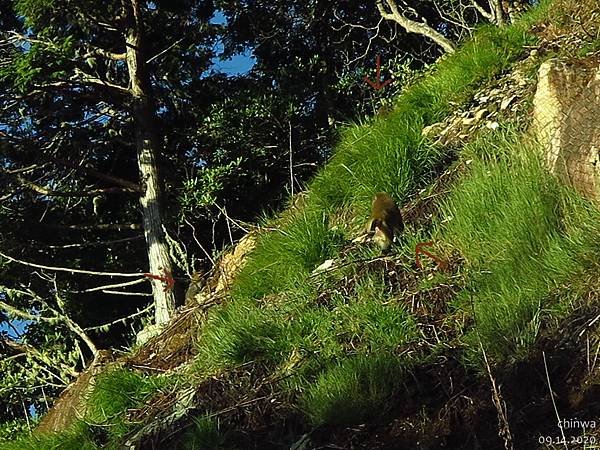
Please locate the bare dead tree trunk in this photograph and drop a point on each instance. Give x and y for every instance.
(147, 146)
(411, 26)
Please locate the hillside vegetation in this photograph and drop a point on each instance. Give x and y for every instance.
(377, 352)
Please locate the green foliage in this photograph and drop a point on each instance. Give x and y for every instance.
(354, 390)
(33, 10)
(12, 429)
(114, 393)
(30, 381)
(39, 63)
(205, 434)
(200, 191)
(522, 234)
(75, 438)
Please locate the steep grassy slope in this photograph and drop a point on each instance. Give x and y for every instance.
(378, 353)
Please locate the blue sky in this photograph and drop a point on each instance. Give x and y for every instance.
(19, 325)
(238, 64)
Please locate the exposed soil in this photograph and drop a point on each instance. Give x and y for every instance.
(171, 348)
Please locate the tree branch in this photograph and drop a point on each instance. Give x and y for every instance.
(98, 226)
(23, 314)
(498, 13)
(481, 10)
(100, 288)
(86, 169)
(53, 193)
(164, 51)
(93, 244)
(66, 269)
(121, 320)
(97, 51)
(71, 324)
(82, 77)
(413, 27)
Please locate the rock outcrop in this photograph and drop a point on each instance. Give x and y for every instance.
(565, 122)
(502, 99)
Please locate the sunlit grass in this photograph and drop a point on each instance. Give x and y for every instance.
(522, 235)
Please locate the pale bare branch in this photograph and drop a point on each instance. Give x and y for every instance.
(108, 286)
(412, 26)
(121, 320)
(71, 270)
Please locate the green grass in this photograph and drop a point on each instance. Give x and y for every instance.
(336, 350)
(522, 234)
(105, 420)
(386, 154)
(114, 393)
(204, 434)
(286, 257)
(372, 321)
(354, 390)
(366, 320)
(352, 371)
(242, 332)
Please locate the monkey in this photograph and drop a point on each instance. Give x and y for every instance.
(97, 203)
(196, 285)
(384, 110)
(384, 221)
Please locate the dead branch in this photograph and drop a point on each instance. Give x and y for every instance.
(88, 170)
(488, 15)
(562, 431)
(54, 193)
(121, 320)
(93, 244)
(496, 7)
(165, 50)
(97, 227)
(82, 77)
(70, 270)
(133, 294)
(412, 26)
(97, 51)
(108, 286)
(371, 36)
(500, 404)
